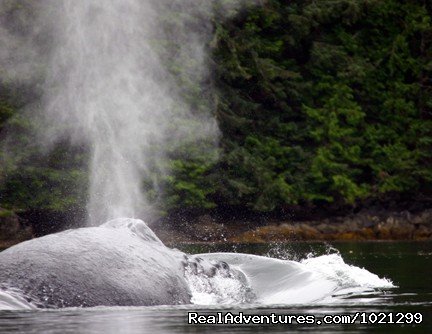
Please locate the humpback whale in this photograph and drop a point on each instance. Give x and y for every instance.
(120, 263)
(123, 263)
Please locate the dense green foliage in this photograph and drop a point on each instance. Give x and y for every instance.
(326, 101)
(319, 102)
(31, 179)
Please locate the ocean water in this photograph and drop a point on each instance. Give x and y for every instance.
(374, 282)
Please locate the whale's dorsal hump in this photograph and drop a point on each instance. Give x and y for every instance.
(136, 226)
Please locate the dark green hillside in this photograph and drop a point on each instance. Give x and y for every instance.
(321, 104)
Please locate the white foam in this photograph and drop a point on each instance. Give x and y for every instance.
(216, 290)
(314, 280)
(333, 267)
(12, 300)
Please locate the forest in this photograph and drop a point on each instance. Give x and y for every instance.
(323, 106)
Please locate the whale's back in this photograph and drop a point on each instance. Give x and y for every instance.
(115, 264)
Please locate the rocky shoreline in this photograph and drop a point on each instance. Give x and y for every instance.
(363, 226)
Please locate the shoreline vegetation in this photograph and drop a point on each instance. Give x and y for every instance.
(323, 107)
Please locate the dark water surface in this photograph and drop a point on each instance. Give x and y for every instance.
(407, 264)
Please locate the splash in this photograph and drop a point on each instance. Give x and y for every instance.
(217, 289)
(14, 300)
(323, 279)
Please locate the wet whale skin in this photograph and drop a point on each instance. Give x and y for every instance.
(120, 263)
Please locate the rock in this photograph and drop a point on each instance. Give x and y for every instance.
(352, 226)
(289, 231)
(424, 218)
(367, 233)
(383, 231)
(422, 233)
(277, 233)
(369, 223)
(363, 226)
(249, 237)
(206, 229)
(308, 232)
(328, 228)
(402, 230)
(349, 236)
